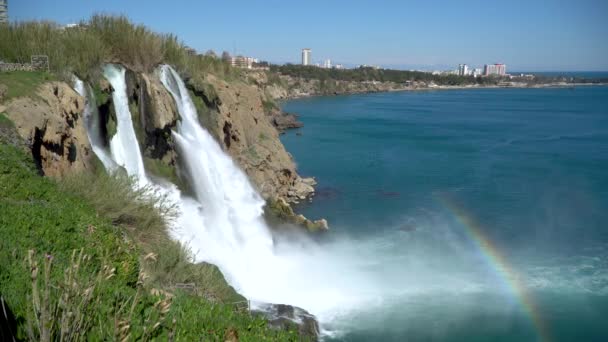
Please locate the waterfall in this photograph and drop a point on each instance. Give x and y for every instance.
(223, 224)
(233, 234)
(231, 208)
(123, 145)
(92, 124)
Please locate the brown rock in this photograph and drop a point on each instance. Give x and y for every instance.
(237, 120)
(52, 126)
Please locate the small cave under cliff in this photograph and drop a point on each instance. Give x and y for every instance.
(36, 150)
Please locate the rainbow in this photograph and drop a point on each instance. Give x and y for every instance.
(497, 261)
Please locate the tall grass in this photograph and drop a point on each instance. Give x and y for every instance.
(102, 39)
(146, 215)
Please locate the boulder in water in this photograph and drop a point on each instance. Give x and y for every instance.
(284, 317)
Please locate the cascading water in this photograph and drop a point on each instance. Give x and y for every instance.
(91, 119)
(235, 237)
(123, 145)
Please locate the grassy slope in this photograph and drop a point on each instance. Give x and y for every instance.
(23, 83)
(38, 215)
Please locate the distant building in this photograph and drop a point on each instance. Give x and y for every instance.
(339, 66)
(190, 51)
(477, 72)
(243, 62)
(3, 11)
(327, 64)
(495, 69)
(306, 56)
(463, 70)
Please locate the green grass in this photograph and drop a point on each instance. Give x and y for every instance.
(158, 168)
(23, 83)
(5, 121)
(90, 257)
(269, 106)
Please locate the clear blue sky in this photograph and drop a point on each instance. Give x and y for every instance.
(534, 35)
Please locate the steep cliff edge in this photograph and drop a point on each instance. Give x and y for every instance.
(51, 124)
(234, 113)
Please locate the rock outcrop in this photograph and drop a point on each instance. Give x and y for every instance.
(285, 317)
(284, 121)
(155, 111)
(50, 121)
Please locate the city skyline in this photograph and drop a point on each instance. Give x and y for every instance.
(435, 35)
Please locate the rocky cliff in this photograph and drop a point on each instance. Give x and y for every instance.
(234, 114)
(51, 124)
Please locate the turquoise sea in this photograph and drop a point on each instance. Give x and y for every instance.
(488, 208)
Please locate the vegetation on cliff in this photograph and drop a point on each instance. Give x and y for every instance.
(102, 39)
(368, 74)
(89, 257)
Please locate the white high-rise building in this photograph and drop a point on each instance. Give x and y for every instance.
(306, 56)
(463, 69)
(495, 69)
(3, 11)
(327, 64)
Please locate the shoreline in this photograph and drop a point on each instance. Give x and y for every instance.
(444, 87)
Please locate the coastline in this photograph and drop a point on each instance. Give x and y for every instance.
(444, 87)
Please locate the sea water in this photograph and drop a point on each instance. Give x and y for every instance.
(483, 212)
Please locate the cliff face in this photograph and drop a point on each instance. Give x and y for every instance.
(234, 114)
(50, 121)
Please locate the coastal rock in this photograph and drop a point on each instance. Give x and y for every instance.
(51, 124)
(234, 114)
(285, 317)
(279, 209)
(284, 121)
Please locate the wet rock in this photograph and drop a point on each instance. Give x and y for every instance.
(279, 209)
(284, 121)
(285, 317)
